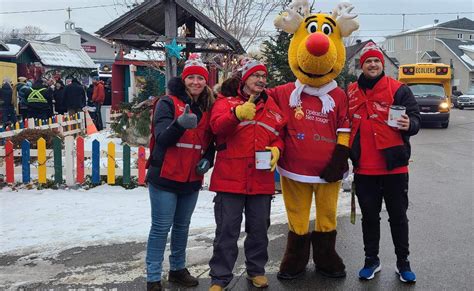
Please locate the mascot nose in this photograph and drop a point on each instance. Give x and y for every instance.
(317, 44)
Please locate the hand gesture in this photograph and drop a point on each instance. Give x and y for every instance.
(247, 110)
(187, 120)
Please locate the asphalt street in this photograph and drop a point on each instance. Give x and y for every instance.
(441, 236)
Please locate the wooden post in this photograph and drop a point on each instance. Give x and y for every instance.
(126, 164)
(171, 30)
(80, 159)
(111, 163)
(25, 161)
(58, 160)
(69, 159)
(141, 165)
(95, 162)
(9, 161)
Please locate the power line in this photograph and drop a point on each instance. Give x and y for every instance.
(59, 9)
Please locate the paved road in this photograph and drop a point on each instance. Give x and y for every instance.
(441, 236)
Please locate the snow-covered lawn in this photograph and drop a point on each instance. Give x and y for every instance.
(53, 220)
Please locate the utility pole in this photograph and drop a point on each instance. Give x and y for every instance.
(403, 25)
(171, 31)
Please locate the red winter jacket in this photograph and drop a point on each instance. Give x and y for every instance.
(237, 141)
(98, 95)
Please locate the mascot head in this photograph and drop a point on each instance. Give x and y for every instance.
(316, 54)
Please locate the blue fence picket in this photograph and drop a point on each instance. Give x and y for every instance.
(95, 162)
(25, 161)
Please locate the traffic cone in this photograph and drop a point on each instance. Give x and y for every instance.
(90, 126)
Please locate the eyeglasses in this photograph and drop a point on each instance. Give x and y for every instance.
(258, 76)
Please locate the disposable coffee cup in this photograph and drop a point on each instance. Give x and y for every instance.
(395, 113)
(262, 160)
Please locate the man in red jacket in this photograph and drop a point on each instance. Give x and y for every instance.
(247, 122)
(98, 97)
(380, 155)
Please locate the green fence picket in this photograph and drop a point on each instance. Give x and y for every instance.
(58, 162)
(126, 164)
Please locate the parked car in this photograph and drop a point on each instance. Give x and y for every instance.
(466, 100)
(454, 98)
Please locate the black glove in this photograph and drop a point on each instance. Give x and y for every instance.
(338, 164)
(203, 166)
(187, 120)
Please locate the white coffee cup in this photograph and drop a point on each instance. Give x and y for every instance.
(262, 160)
(395, 113)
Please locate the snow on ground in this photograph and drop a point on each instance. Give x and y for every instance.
(48, 221)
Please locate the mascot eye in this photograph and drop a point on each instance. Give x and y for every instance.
(327, 29)
(312, 27)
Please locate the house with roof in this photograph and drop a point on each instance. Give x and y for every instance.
(37, 57)
(101, 51)
(353, 53)
(449, 42)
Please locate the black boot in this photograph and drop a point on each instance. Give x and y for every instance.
(296, 257)
(183, 277)
(153, 286)
(325, 257)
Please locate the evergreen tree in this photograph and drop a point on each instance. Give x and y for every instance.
(152, 86)
(275, 52)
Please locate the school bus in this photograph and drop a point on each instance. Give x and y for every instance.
(431, 86)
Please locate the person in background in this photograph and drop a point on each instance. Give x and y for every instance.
(7, 109)
(58, 96)
(380, 155)
(74, 97)
(98, 97)
(181, 152)
(39, 101)
(245, 121)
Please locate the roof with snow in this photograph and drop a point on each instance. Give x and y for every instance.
(145, 24)
(461, 24)
(351, 52)
(148, 55)
(60, 55)
(455, 46)
(11, 50)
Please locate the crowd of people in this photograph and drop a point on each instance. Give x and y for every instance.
(193, 130)
(42, 98)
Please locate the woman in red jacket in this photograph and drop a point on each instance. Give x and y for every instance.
(181, 153)
(245, 123)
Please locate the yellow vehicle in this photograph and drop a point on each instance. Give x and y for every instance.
(431, 86)
(8, 70)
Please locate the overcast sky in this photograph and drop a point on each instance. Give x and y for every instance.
(371, 26)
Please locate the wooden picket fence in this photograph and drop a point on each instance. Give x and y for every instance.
(73, 168)
(65, 124)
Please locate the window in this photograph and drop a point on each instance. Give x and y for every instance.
(390, 45)
(409, 42)
(470, 36)
(459, 35)
(429, 35)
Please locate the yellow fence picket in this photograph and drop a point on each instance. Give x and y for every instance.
(42, 161)
(111, 163)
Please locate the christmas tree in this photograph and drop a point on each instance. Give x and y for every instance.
(275, 52)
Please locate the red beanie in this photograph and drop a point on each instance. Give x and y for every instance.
(370, 50)
(195, 67)
(250, 67)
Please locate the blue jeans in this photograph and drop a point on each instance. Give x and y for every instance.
(168, 209)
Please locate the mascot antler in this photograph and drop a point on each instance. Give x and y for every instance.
(290, 20)
(345, 19)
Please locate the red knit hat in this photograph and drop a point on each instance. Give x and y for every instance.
(250, 67)
(370, 50)
(194, 65)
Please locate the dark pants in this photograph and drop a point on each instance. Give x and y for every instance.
(393, 189)
(8, 115)
(98, 117)
(228, 209)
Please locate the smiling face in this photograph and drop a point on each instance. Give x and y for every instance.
(256, 83)
(316, 54)
(195, 84)
(372, 68)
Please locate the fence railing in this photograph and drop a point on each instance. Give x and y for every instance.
(65, 124)
(69, 162)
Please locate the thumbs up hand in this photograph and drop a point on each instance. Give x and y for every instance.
(187, 120)
(247, 110)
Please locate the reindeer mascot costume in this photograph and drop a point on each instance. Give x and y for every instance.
(317, 135)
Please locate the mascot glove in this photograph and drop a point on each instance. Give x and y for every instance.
(187, 120)
(275, 156)
(338, 164)
(247, 110)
